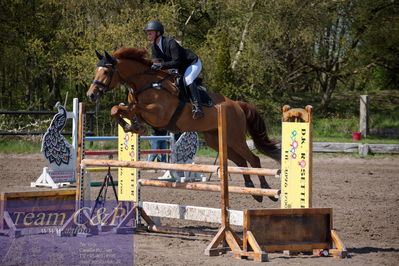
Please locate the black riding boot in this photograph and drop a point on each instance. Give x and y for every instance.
(195, 99)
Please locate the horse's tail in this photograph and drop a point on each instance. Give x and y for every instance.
(257, 129)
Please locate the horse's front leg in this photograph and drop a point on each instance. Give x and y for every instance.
(137, 127)
(118, 112)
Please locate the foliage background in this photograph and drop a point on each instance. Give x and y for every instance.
(269, 53)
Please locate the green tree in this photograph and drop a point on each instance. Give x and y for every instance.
(223, 73)
(265, 52)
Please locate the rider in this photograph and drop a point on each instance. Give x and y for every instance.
(175, 56)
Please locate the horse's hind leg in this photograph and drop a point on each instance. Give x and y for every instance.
(243, 151)
(211, 139)
(241, 162)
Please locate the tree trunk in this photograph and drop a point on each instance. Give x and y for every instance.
(331, 83)
(40, 95)
(54, 90)
(3, 87)
(30, 94)
(329, 89)
(243, 37)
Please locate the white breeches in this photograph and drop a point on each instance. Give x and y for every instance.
(192, 72)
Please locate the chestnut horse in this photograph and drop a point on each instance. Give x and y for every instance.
(153, 99)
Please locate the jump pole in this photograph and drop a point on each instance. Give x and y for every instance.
(126, 156)
(207, 187)
(179, 167)
(193, 168)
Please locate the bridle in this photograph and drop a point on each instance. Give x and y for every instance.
(104, 86)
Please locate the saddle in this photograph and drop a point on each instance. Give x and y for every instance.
(184, 92)
(184, 97)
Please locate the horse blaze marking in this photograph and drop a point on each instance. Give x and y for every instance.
(127, 177)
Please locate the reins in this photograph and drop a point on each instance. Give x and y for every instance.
(157, 84)
(171, 126)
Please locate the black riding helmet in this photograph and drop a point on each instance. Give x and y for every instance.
(154, 25)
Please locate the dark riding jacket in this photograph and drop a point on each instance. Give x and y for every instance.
(173, 55)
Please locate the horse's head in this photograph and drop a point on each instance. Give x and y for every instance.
(106, 77)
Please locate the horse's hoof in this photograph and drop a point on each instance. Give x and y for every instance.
(266, 186)
(143, 131)
(127, 129)
(258, 198)
(273, 198)
(249, 184)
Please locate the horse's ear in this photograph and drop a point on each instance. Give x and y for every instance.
(99, 56)
(108, 56)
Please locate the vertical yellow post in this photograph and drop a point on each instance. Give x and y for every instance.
(296, 158)
(128, 150)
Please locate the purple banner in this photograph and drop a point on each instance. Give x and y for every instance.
(43, 232)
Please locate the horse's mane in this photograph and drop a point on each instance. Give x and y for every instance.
(133, 54)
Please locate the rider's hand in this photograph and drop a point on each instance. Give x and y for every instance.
(156, 66)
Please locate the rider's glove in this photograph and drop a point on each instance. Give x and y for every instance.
(156, 66)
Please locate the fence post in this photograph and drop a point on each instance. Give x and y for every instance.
(364, 115)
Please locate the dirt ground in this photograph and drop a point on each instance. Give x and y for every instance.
(362, 192)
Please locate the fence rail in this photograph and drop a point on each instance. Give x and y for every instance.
(32, 133)
(362, 148)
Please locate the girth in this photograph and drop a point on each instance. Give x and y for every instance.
(171, 126)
